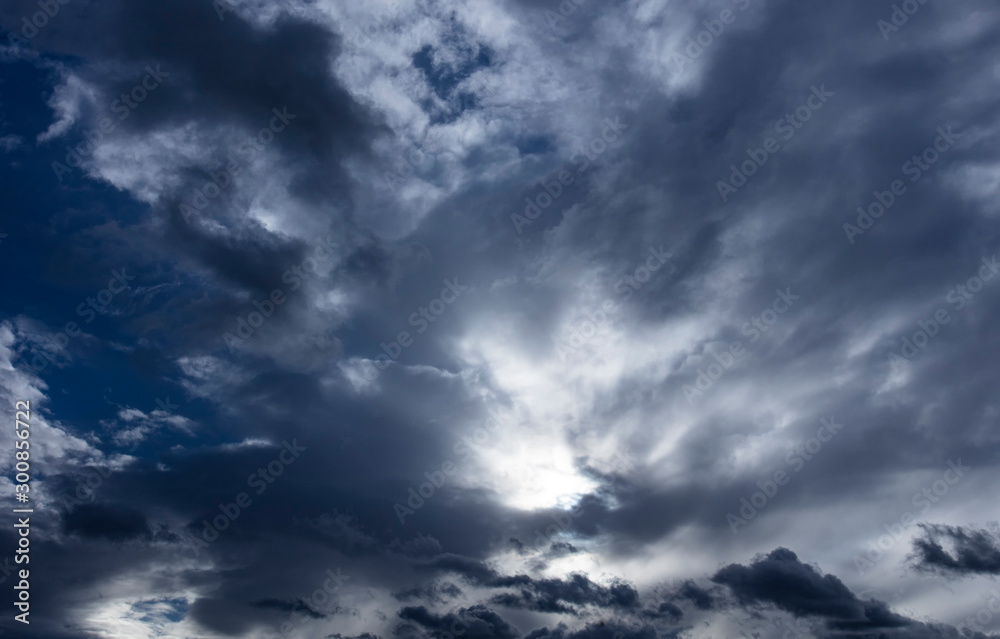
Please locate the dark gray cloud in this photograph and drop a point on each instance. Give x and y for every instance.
(289, 606)
(594, 631)
(410, 150)
(476, 622)
(543, 595)
(101, 521)
(781, 579)
(956, 550)
(556, 595)
(700, 597)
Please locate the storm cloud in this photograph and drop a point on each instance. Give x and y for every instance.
(464, 319)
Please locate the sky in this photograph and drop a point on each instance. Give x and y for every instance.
(445, 319)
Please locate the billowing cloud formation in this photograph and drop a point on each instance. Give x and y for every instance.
(372, 319)
(781, 579)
